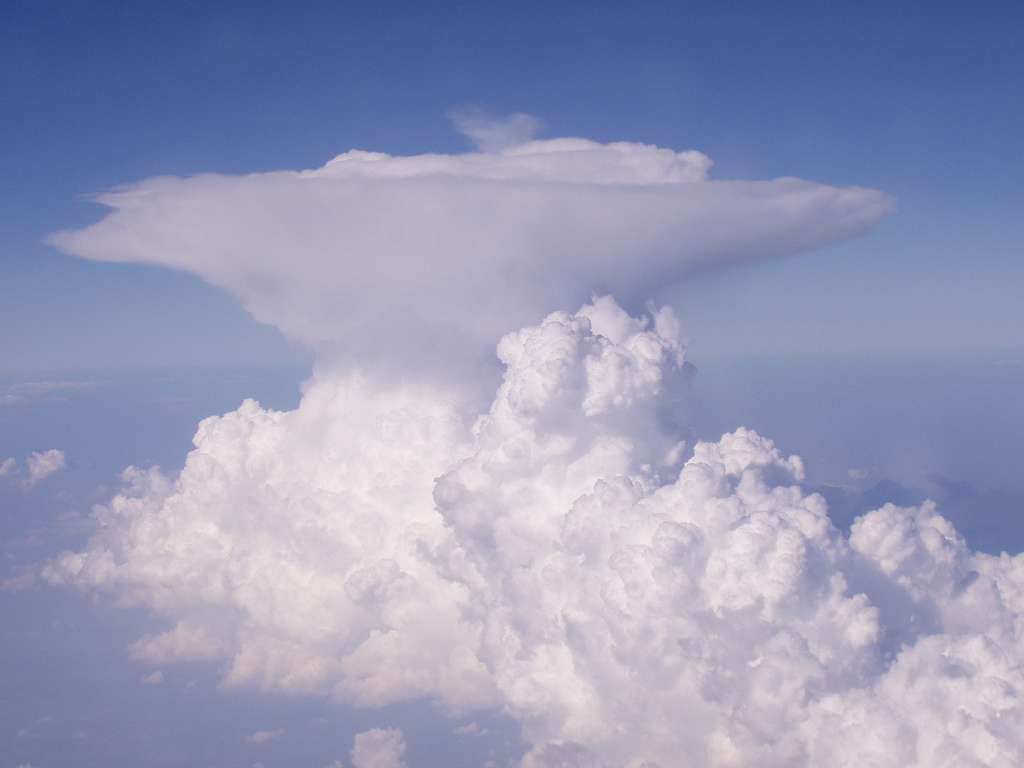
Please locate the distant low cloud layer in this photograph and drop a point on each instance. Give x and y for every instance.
(560, 555)
(564, 559)
(438, 255)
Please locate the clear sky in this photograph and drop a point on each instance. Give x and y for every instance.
(921, 100)
(389, 560)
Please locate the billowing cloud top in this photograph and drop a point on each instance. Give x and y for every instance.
(461, 247)
(632, 603)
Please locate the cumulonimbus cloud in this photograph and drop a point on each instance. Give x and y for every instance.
(561, 555)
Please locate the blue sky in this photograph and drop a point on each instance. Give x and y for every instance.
(923, 101)
(892, 362)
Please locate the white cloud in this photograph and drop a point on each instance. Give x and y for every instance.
(558, 554)
(379, 748)
(42, 464)
(39, 465)
(262, 737)
(379, 544)
(184, 641)
(24, 392)
(154, 678)
(425, 261)
(492, 133)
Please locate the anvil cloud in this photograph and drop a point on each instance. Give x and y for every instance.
(376, 256)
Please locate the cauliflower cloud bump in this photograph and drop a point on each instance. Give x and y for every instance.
(560, 557)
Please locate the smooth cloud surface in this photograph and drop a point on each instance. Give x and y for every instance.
(563, 558)
(435, 256)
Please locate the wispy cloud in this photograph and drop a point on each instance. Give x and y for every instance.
(42, 464)
(39, 465)
(262, 737)
(25, 392)
(469, 729)
(491, 133)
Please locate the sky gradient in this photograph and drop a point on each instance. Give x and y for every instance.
(440, 527)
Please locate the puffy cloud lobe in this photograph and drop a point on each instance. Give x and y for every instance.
(41, 464)
(379, 748)
(432, 257)
(630, 602)
(289, 542)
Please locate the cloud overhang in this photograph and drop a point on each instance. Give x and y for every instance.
(462, 246)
